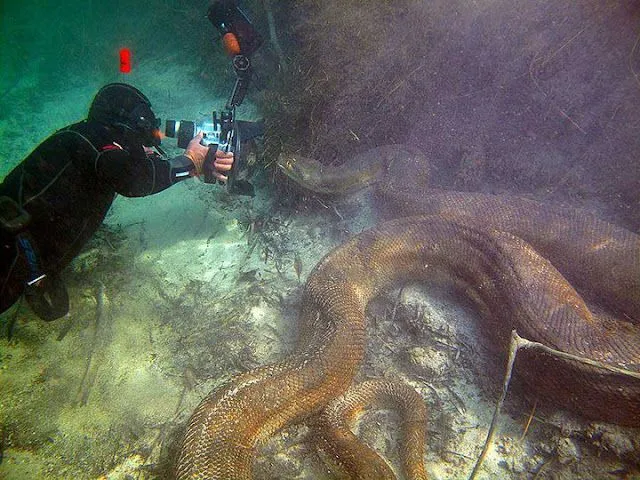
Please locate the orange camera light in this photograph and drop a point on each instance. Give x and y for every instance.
(125, 60)
(231, 44)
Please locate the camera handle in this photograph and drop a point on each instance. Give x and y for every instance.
(227, 137)
(208, 167)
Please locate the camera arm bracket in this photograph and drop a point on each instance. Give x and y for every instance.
(242, 67)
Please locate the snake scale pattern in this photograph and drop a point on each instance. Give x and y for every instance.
(558, 276)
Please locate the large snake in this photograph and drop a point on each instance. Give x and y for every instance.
(557, 276)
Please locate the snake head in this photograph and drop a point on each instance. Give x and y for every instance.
(293, 166)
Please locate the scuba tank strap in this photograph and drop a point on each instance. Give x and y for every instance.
(13, 218)
(27, 247)
(14, 221)
(46, 294)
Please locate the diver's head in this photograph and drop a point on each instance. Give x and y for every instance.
(127, 108)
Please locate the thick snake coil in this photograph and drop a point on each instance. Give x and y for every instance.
(508, 253)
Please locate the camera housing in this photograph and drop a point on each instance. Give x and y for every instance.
(216, 130)
(223, 132)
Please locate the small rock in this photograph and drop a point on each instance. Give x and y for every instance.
(429, 361)
(567, 451)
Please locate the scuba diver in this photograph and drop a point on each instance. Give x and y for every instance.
(57, 197)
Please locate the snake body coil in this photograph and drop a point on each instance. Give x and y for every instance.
(495, 247)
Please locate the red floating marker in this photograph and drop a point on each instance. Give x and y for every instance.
(125, 60)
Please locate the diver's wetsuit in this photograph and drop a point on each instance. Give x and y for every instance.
(67, 185)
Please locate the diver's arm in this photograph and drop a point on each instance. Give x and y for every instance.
(141, 175)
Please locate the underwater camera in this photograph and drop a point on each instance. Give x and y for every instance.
(225, 133)
(240, 40)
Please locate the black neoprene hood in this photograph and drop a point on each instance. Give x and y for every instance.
(121, 105)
